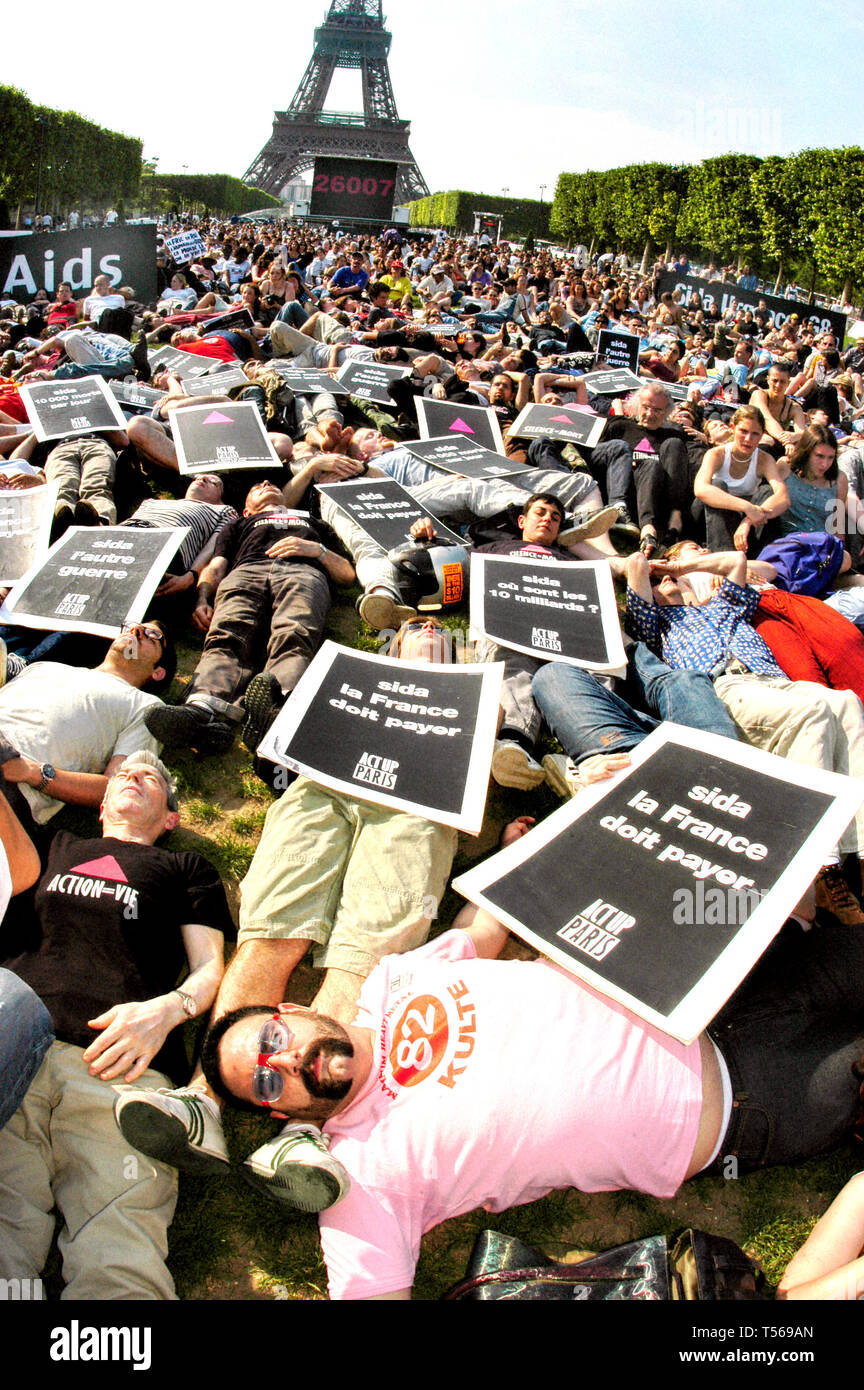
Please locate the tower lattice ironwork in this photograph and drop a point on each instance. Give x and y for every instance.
(352, 36)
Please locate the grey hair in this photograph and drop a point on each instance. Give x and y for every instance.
(144, 755)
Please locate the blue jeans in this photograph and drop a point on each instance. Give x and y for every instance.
(586, 718)
(791, 1035)
(685, 697)
(293, 313)
(112, 371)
(26, 1033)
(30, 643)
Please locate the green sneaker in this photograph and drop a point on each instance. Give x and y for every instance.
(182, 1128)
(297, 1168)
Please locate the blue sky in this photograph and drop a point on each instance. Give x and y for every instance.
(499, 96)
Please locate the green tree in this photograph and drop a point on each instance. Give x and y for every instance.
(719, 213)
(835, 197)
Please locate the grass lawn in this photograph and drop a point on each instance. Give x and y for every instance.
(229, 1242)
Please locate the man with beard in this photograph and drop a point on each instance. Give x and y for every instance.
(455, 1085)
(346, 879)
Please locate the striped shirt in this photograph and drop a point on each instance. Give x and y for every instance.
(204, 519)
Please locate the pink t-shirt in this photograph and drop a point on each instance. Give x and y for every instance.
(493, 1082)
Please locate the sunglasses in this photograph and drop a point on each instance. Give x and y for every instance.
(267, 1083)
(153, 633)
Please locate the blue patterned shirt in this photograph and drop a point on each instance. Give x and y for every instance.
(703, 639)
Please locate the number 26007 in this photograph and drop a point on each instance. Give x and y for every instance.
(369, 187)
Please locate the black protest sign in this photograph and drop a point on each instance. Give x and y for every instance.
(475, 422)
(618, 381)
(135, 398)
(722, 294)
(225, 323)
(556, 612)
(184, 246)
(221, 437)
(127, 255)
(82, 405)
(307, 381)
(617, 348)
(558, 422)
(25, 527)
(368, 381)
(455, 454)
(178, 363)
(94, 579)
(685, 872)
(383, 510)
(215, 383)
(408, 734)
(676, 390)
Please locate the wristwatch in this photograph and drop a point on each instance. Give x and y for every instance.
(48, 774)
(190, 1008)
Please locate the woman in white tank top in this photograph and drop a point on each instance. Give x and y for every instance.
(740, 485)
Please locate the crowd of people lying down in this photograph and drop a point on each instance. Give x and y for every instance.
(724, 491)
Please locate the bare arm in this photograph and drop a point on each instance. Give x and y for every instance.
(826, 1266)
(74, 788)
(321, 468)
(774, 430)
(131, 1034)
(573, 384)
(172, 402)
(20, 851)
(488, 934)
(48, 345)
(779, 500)
(715, 497)
(523, 392)
(725, 562)
(340, 570)
(638, 575)
(209, 582)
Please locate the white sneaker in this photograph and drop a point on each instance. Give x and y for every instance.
(182, 1128)
(587, 526)
(297, 1168)
(513, 767)
(561, 774)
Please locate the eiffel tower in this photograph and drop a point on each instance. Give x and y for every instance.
(352, 36)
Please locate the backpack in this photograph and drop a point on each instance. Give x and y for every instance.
(807, 562)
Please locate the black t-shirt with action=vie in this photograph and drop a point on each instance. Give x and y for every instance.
(108, 914)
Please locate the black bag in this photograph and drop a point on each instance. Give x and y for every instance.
(694, 1266)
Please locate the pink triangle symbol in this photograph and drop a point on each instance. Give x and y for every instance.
(565, 419)
(106, 867)
(217, 418)
(461, 427)
(645, 446)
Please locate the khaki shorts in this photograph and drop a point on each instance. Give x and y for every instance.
(357, 880)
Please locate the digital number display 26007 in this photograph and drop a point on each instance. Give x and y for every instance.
(335, 183)
(353, 188)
